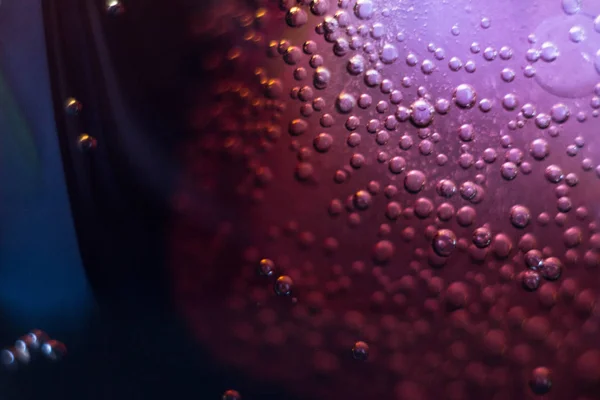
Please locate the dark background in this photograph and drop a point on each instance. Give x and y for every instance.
(84, 259)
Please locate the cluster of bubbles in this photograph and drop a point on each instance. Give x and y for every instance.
(399, 153)
(27, 347)
(85, 142)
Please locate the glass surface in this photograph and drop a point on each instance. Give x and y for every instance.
(312, 199)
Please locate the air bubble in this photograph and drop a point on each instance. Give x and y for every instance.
(360, 351)
(266, 267)
(485, 105)
(414, 181)
(510, 101)
(444, 242)
(529, 71)
(560, 113)
(470, 66)
(576, 34)
(571, 7)
(539, 149)
(509, 171)
(442, 106)
(549, 52)
(427, 67)
(345, 103)
(73, 106)
(356, 65)
(383, 251)
(283, 285)
(411, 60)
(421, 113)
(464, 96)
(542, 120)
(508, 75)
(554, 173)
(530, 280)
(520, 216)
(54, 350)
(296, 17)
(482, 237)
(505, 53)
(364, 9)
(231, 395)
(540, 381)
(397, 165)
(490, 54)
